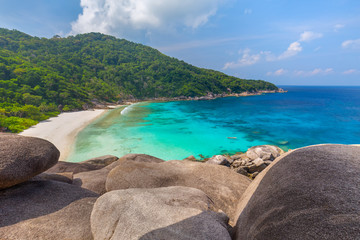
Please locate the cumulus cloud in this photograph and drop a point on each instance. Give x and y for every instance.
(292, 50)
(351, 44)
(119, 17)
(350, 71)
(295, 47)
(247, 59)
(308, 36)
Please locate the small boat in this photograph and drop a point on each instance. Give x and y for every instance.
(232, 137)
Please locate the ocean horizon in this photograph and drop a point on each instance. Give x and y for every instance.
(305, 115)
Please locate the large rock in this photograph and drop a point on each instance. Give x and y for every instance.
(264, 152)
(45, 210)
(61, 167)
(21, 158)
(66, 177)
(309, 193)
(141, 158)
(159, 213)
(221, 184)
(85, 166)
(101, 161)
(190, 158)
(219, 160)
(94, 180)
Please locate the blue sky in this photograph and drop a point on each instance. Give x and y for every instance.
(282, 41)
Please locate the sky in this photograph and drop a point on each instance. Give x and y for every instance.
(286, 42)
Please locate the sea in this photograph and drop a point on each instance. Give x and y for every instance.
(305, 115)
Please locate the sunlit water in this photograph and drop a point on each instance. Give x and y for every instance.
(176, 130)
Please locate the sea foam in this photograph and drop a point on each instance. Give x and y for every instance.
(126, 110)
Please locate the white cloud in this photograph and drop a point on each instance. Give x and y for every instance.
(351, 43)
(329, 70)
(278, 72)
(308, 36)
(350, 71)
(122, 17)
(299, 72)
(269, 56)
(302, 73)
(248, 11)
(296, 47)
(316, 71)
(292, 50)
(337, 27)
(246, 60)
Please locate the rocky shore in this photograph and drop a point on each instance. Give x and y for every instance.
(307, 193)
(208, 96)
(249, 164)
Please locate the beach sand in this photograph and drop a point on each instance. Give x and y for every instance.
(62, 130)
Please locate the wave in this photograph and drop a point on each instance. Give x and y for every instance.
(127, 109)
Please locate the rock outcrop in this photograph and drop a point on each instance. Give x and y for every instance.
(309, 193)
(219, 160)
(66, 177)
(141, 158)
(85, 166)
(101, 161)
(221, 184)
(21, 158)
(264, 152)
(190, 158)
(158, 213)
(255, 160)
(45, 210)
(94, 180)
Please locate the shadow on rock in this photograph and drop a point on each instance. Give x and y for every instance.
(309, 193)
(33, 199)
(204, 226)
(157, 213)
(224, 186)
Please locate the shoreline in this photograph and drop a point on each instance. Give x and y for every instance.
(63, 129)
(209, 96)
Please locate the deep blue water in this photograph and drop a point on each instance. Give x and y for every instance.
(174, 130)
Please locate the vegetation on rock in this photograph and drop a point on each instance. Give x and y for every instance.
(40, 77)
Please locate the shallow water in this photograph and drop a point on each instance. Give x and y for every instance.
(175, 130)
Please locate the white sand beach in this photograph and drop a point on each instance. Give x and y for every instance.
(62, 130)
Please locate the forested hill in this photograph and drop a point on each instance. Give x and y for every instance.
(40, 77)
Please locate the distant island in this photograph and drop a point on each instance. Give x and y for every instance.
(41, 77)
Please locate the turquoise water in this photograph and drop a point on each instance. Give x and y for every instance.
(175, 130)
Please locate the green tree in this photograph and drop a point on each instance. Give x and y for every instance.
(38, 75)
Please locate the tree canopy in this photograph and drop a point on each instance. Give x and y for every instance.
(40, 77)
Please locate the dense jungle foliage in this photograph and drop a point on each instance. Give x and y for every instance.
(40, 77)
